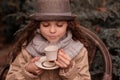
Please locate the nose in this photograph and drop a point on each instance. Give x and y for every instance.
(52, 29)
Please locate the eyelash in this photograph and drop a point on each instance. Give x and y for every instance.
(59, 25)
(46, 25)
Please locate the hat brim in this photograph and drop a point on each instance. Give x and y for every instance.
(52, 17)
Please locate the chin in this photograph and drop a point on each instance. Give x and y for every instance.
(53, 41)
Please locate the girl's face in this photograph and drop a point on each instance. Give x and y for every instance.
(53, 31)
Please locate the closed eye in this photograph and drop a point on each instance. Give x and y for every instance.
(59, 25)
(45, 24)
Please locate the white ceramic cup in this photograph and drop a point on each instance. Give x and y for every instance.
(51, 52)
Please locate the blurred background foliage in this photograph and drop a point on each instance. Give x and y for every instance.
(100, 16)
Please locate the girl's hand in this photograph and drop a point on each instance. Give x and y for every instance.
(63, 59)
(32, 68)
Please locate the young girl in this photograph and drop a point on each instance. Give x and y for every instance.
(52, 22)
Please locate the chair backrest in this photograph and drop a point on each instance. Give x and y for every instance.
(97, 43)
(4, 67)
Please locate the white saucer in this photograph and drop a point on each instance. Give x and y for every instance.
(43, 64)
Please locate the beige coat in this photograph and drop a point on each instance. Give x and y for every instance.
(79, 70)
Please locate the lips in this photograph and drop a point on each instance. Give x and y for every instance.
(52, 37)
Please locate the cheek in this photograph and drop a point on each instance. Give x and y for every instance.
(42, 30)
(62, 33)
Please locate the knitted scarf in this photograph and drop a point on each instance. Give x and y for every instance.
(71, 47)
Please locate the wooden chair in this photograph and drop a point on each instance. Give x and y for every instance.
(96, 44)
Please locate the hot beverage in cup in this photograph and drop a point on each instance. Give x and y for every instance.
(51, 52)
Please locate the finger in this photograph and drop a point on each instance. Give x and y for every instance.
(38, 71)
(62, 53)
(35, 59)
(61, 64)
(58, 63)
(64, 65)
(36, 67)
(63, 60)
